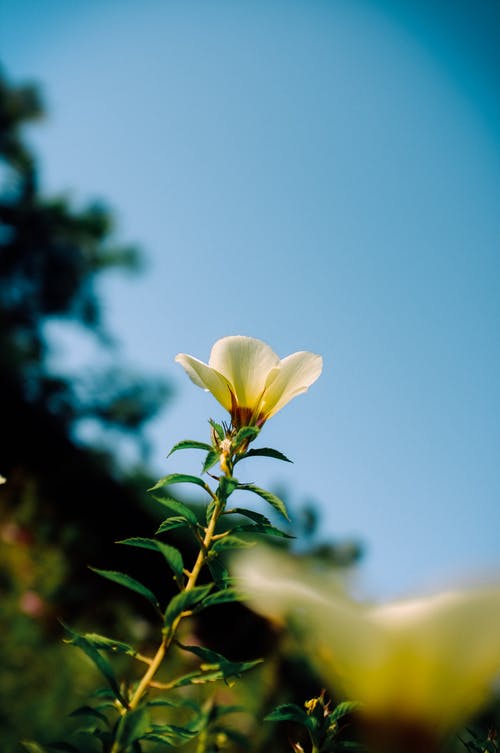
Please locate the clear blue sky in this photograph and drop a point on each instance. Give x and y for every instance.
(324, 176)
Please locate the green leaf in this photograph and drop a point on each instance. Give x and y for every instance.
(217, 428)
(172, 555)
(222, 597)
(33, 747)
(100, 661)
(169, 524)
(189, 444)
(266, 452)
(263, 529)
(227, 485)
(126, 580)
(108, 644)
(269, 497)
(245, 434)
(103, 692)
(89, 711)
(179, 478)
(210, 510)
(174, 703)
(169, 734)
(177, 507)
(231, 542)
(185, 601)
(199, 677)
(218, 570)
(344, 708)
(212, 662)
(289, 712)
(132, 726)
(211, 459)
(255, 516)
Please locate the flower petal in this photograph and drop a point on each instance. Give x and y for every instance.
(451, 647)
(333, 631)
(206, 377)
(245, 362)
(430, 661)
(295, 375)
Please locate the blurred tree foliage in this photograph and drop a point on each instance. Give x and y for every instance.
(63, 503)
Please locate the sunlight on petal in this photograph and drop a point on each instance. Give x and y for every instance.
(245, 362)
(207, 378)
(296, 374)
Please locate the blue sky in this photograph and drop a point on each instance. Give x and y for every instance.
(324, 176)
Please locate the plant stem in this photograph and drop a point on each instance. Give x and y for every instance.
(170, 635)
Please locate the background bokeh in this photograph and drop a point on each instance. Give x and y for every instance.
(324, 176)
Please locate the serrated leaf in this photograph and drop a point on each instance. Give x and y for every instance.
(100, 661)
(225, 596)
(245, 434)
(132, 726)
(184, 602)
(176, 521)
(208, 655)
(108, 644)
(179, 478)
(255, 516)
(181, 732)
(126, 580)
(265, 452)
(211, 459)
(177, 507)
(231, 542)
(213, 661)
(269, 497)
(217, 428)
(172, 736)
(344, 708)
(289, 712)
(263, 529)
(197, 678)
(172, 555)
(189, 444)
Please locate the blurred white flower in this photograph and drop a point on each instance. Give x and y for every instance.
(249, 380)
(2, 479)
(428, 662)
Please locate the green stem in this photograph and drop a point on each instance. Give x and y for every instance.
(170, 635)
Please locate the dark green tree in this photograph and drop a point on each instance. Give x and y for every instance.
(51, 256)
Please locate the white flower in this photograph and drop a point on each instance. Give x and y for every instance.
(249, 380)
(2, 479)
(428, 662)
